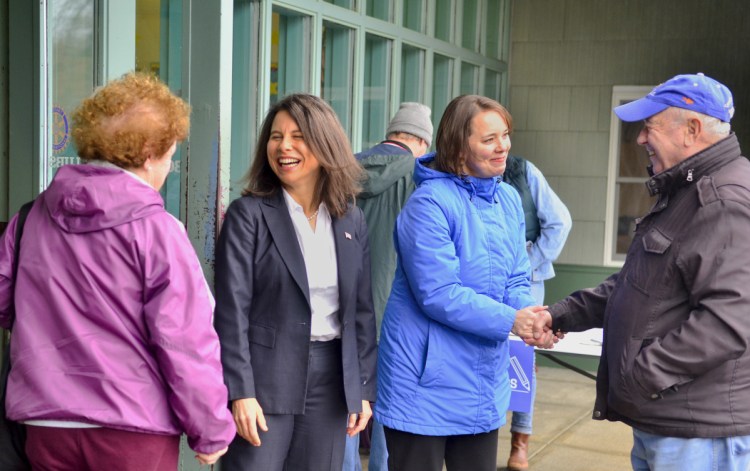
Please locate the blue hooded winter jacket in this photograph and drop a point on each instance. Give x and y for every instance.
(462, 273)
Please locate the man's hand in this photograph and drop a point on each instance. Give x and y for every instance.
(542, 335)
(210, 458)
(523, 326)
(248, 416)
(358, 422)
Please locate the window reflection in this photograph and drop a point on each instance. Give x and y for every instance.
(350, 4)
(633, 200)
(158, 51)
(290, 54)
(442, 90)
(380, 9)
(337, 71)
(414, 14)
(470, 29)
(412, 73)
(71, 75)
(377, 91)
(492, 84)
(444, 14)
(469, 79)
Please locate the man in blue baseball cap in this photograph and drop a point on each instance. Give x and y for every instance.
(676, 318)
(676, 106)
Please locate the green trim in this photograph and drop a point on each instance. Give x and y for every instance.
(569, 278)
(584, 362)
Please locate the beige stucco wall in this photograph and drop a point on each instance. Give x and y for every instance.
(565, 57)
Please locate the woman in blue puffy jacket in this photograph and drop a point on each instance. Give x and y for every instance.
(461, 288)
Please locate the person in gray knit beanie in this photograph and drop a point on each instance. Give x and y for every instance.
(411, 118)
(390, 167)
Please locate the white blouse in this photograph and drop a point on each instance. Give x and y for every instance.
(319, 251)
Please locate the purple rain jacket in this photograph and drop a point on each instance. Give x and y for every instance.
(113, 315)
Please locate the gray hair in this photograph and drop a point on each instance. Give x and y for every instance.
(711, 125)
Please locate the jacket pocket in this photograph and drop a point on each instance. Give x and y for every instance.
(627, 395)
(656, 242)
(261, 335)
(648, 268)
(433, 363)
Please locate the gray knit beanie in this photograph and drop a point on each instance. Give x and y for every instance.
(412, 118)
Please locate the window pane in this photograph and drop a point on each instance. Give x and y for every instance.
(504, 87)
(442, 91)
(444, 19)
(337, 70)
(492, 84)
(503, 30)
(412, 74)
(290, 54)
(245, 93)
(159, 50)
(414, 14)
(469, 79)
(470, 24)
(492, 33)
(350, 4)
(633, 201)
(377, 93)
(630, 199)
(71, 75)
(380, 9)
(633, 158)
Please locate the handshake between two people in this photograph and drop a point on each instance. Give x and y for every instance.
(534, 325)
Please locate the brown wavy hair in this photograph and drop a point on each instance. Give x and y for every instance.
(128, 118)
(452, 141)
(340, 174)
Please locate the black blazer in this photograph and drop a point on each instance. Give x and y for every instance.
(263, 313)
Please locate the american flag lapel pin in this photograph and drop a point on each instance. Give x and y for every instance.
(347, 235)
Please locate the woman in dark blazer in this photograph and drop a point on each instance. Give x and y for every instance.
(294, 306)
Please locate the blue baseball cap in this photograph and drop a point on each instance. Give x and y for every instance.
(691, 92)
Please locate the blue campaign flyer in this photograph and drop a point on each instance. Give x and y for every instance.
(520, 374)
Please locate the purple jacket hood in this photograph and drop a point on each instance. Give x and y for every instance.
(88, 198)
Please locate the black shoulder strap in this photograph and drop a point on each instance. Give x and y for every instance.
(399, 144)
(22, 213)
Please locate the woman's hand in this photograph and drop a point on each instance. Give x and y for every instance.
(210, 458)
(358, 422)
(248, 416)
(541, 332)
(523, 326)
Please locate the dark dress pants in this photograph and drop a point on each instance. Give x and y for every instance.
(410, 452)
(313, 441)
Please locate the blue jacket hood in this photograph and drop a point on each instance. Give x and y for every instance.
(485, 188)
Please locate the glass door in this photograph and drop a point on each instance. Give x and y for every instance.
(158, 51)
(71, 76)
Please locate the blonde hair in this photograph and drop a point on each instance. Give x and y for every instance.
(128, 118)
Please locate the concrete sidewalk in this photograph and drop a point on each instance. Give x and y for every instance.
(565, 437)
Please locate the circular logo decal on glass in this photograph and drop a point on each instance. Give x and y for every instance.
(60, 129)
